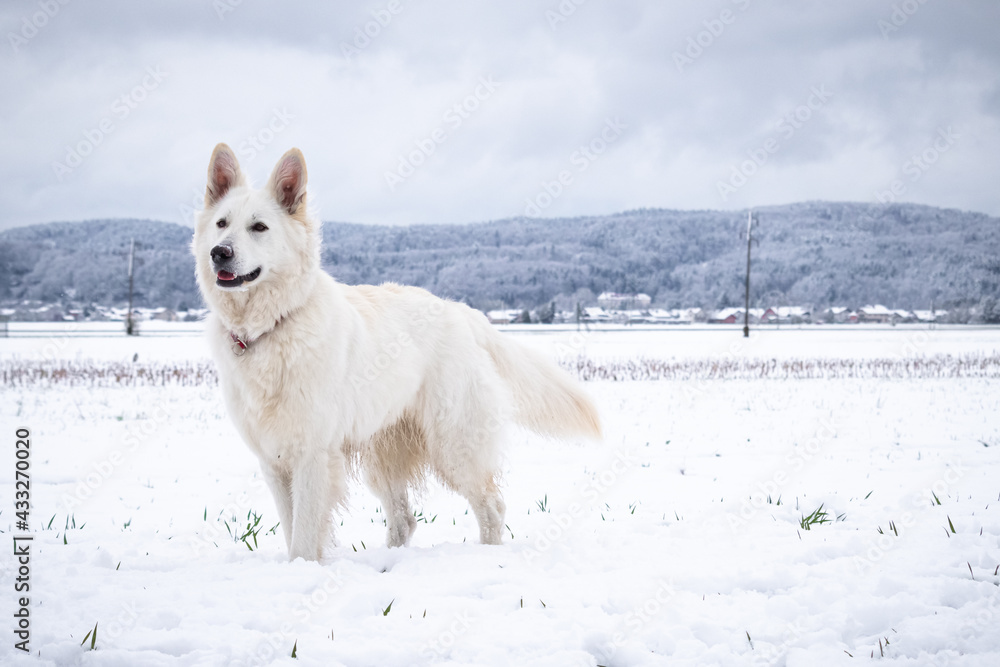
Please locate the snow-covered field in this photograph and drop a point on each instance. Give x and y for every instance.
(676, 541)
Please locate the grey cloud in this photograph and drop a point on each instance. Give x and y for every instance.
(559, 82)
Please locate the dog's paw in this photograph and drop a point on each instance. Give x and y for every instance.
(399, 534)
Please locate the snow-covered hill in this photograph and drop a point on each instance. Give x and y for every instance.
(818, 254)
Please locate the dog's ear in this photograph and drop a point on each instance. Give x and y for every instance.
(223, 174)
(288, 181)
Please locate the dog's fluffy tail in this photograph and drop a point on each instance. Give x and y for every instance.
(546, 399)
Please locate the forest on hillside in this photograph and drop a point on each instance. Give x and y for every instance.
(816, 253)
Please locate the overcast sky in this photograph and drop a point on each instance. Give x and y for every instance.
(418, 111)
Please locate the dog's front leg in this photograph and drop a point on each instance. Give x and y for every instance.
(312, 502)
(279, 482)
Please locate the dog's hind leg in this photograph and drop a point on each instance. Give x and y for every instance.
(484, 497)
(490, 509)
(466, 458)
(398, 516)
(392, 461)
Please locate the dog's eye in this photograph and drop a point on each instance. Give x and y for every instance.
(259, 227)
(221, 224)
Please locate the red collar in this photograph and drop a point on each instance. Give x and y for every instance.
(239, 345)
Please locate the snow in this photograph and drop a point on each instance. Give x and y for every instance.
(658, 546)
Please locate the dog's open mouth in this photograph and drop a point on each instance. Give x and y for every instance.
(227, 279)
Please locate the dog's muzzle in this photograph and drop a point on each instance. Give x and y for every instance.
(222, 258)
(229, 279)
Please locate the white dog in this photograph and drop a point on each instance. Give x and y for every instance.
(322, 379)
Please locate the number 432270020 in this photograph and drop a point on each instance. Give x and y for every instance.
(22, 477)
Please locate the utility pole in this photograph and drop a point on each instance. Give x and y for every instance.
(746, 300)
(129, 324)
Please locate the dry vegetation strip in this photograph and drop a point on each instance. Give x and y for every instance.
(20, 373)
(61, 373)
(913, 368)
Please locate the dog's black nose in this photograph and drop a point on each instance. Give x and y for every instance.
(222, 252)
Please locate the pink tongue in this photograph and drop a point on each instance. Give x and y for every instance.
(226, 275)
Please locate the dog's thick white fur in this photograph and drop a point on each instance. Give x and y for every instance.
(323, 380)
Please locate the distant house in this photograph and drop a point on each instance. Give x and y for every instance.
(596, 315)
(693, 314)
(903, 317)
(930, 315)
(615, 301)
(631, 316)
(837, 314)
(785, 314)
(164, 315)
(726, 316)
(874, 314)
(729, 315)
(48, 313)
(675, 316)
(795, 314)
(503, 316)
(659, 316)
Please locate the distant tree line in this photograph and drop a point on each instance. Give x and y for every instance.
(817, 254)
